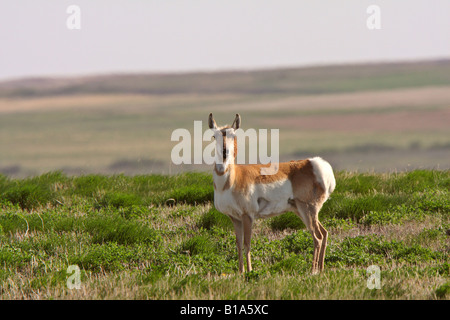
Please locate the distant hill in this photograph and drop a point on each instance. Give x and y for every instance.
(380, 117)
(305, 80)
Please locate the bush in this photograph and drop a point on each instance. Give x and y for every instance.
(348, 206)
(443, 291)
(88, 185)
(343, 224)
(29, 196)
(106, 257)
(299, 242)
(14, 256)
(193, 195)
(362, 250)
(294, 264)
(289, 220)
(381, 218)
(214, 218)
(198, 244)
(119, 200)
(120, 230)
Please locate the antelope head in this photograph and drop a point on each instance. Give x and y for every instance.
(226, 143)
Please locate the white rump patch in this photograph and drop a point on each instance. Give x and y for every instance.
(324, 174)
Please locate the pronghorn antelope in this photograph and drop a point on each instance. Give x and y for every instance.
(244, 194)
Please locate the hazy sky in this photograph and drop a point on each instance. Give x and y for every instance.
(185, 35)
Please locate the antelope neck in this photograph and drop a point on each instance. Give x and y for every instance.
(224, 180)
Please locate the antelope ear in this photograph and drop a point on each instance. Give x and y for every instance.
(237, 122)
(212, 123)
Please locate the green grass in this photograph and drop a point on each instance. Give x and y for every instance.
(117, 191)
(160, 237)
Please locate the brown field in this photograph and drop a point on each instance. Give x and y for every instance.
(401, 121)
(365, 100)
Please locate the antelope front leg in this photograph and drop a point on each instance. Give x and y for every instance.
(248, 222)
(238, 230)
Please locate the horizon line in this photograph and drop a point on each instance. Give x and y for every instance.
(222, 70)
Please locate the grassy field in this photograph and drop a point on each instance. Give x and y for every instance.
(159, 237)
(379, 117)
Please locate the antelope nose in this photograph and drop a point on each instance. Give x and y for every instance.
(220, 168)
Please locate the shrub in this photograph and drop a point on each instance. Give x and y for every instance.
(381, 218)
(119, 200)
(88, 185)
(120, 230)
(193, 194)
(363, 250)
(294, 264)
(349, 206)
(343, 224)
(394, 215)
(107, 257)
(299, 242)
(214, 218)
(443, 291)
(14, 256)
(198, 244)
(29, 196)
(289, 220)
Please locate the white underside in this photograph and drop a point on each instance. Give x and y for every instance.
(262, 200)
